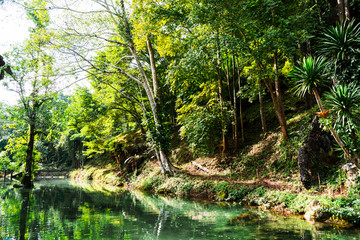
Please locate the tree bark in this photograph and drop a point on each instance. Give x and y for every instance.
(153, 68)
(269, 86)
(240, 106)
(236, 122)
(279, 100)
(25, 195)
(166, 166)
(347, 10)
(262, 112)
(341, 10)
(221, 94)
(27, 178)
(229, 86)
(333, 133)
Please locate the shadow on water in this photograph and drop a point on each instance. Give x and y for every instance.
(69, 210)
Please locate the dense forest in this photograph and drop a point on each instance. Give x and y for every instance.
(208, 77)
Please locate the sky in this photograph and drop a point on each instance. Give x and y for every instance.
(14, 27)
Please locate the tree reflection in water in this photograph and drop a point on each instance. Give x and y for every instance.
(63, 210)
(25, 195)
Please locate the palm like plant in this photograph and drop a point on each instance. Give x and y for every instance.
(341, 44)
(344, 100)
(308, 76)
(341, 41)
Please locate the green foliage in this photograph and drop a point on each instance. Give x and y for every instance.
(308, 75)
(202, 130)
(341, 44)
(37, 12)
(239, 193)
(342, 41)
(5, 161)
(354, 191)
(344, 101)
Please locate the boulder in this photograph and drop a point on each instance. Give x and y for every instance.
(316, 213)
(315, 152)
(352, 174)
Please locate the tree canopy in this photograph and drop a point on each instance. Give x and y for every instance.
(209, 74)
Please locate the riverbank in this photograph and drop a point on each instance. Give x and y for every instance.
(325, 205)
(264, 174)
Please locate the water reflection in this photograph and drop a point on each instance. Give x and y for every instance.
(25, 195)
(67, 210)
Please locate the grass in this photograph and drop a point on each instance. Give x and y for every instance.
(106, 175)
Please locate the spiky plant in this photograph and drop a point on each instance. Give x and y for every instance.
(341, 45)
(341, 41)
(308, 75)
(344, 100)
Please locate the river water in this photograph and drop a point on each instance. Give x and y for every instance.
(64, 209)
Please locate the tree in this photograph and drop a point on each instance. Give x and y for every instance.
(4, 68)
(308, 75)
(31, 78)
(341, 45)
(344, 100)
(274, 31)
(119, 33)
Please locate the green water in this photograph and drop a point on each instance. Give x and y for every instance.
(62, 209)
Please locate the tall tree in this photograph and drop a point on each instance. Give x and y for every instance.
(119, 33)
(31, 77)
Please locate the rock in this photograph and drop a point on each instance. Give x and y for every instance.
(316, 213)
(352, 174)
(314, 154)
(280, 208)
(245, 217)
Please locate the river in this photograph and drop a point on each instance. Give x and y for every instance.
(65, 209)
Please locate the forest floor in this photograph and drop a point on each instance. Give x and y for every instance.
(209, 168)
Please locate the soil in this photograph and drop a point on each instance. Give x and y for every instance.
(210, 168)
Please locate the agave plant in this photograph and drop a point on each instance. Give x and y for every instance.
(341, 41)
(341, 44)
(344, 100)
(308, 75)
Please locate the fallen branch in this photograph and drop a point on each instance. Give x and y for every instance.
(200, 167)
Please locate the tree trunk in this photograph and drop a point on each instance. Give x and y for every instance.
(221, 94)
(279, 100)
(262, 112)
(319, 11)
(27, 178)
(152, 93)
(333, 133)
(153, 69)
(347, 9)
(236, 122)
(268, 84)
(341, 10)
(25, 195)
(229, 86)
(240, 106)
